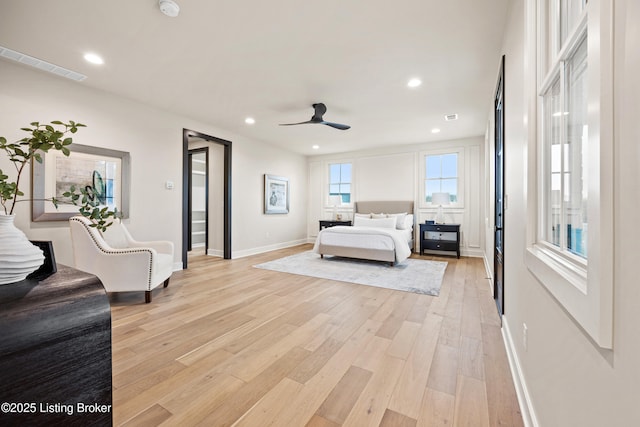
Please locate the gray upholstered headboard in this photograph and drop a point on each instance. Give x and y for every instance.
(388, 207)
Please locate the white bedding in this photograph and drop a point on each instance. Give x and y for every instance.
(367, 237)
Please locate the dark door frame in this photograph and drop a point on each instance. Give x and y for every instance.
(193, 151)
(186, 134)
(498, 242)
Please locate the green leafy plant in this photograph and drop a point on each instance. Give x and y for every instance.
(87, 200)
(41, 139)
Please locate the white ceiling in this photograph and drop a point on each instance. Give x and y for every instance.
(221, 61)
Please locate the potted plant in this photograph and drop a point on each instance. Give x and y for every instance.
(18, 257)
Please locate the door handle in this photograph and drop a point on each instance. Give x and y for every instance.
(498, 228)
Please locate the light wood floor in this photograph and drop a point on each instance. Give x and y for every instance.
(227, 344)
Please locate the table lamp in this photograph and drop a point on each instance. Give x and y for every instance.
(440, 199)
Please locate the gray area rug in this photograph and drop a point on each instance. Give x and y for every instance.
(411, 275)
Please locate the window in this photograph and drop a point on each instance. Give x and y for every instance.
(561, 20)
(340, 181)
(565, 145)
(571, 164)
(441, 175)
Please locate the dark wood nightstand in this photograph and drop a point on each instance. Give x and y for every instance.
(440, 237)
(331, 223)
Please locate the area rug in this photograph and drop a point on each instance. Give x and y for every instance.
(411, 275)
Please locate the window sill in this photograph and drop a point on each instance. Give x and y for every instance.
(551, 268)
(569, 285)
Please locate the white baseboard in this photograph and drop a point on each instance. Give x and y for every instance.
(489, 269)
(269, 248)
(471, 252)
(177, 266)
(524, 398)
(216, 252)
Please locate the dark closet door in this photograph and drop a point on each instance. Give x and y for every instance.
(498, 266)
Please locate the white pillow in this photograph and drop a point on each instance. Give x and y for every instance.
(378, 216)
(359, 215)
(408, 222)
(376, 223)
(400, 218)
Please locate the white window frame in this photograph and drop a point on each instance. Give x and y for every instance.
(584, 288)
(552, 76)
(327, 178)
(461, 176)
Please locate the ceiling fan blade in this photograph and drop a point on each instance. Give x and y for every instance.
(337, 125)
(293, 124)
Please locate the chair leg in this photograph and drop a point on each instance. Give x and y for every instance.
(166, 282)
(147, 297)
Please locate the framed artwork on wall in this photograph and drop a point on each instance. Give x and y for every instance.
(276, 194)
(106, 170)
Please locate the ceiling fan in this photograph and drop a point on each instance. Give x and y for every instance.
(320, 109)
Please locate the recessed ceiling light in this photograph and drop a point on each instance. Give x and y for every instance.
(249, 120)
(169, 8)
(315, 147)
(435, 130)
(414, 82)
(93, 58)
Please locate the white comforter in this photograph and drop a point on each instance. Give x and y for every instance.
(366, 237)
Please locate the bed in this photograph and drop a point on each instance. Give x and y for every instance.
(381, 231)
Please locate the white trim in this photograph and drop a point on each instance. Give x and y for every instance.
(177, 266)
(524, 397)
(489, 270)
(326, 177)
(460, 151)
(216, 252)
(268, 248)
(588, 298)
(471, 252)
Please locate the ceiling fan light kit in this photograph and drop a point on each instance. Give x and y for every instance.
(169, 8)
(319, 110)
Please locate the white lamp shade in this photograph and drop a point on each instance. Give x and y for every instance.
(440, 199)
(335, 200)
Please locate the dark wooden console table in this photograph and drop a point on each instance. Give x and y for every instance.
(55, 351)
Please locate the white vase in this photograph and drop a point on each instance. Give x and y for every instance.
(18, 256)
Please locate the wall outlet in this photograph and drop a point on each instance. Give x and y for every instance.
(525, 336)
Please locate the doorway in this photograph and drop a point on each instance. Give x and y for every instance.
(498, 259)
(198, 201)
(187, 136)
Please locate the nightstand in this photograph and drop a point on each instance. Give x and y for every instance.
(440, 237)
(331, 223)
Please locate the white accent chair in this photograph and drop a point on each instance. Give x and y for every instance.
(120, 262)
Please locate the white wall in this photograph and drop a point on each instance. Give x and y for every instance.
(253, 230)
(570, 380)
(154, 139)
(394, 173)
(390, 176)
